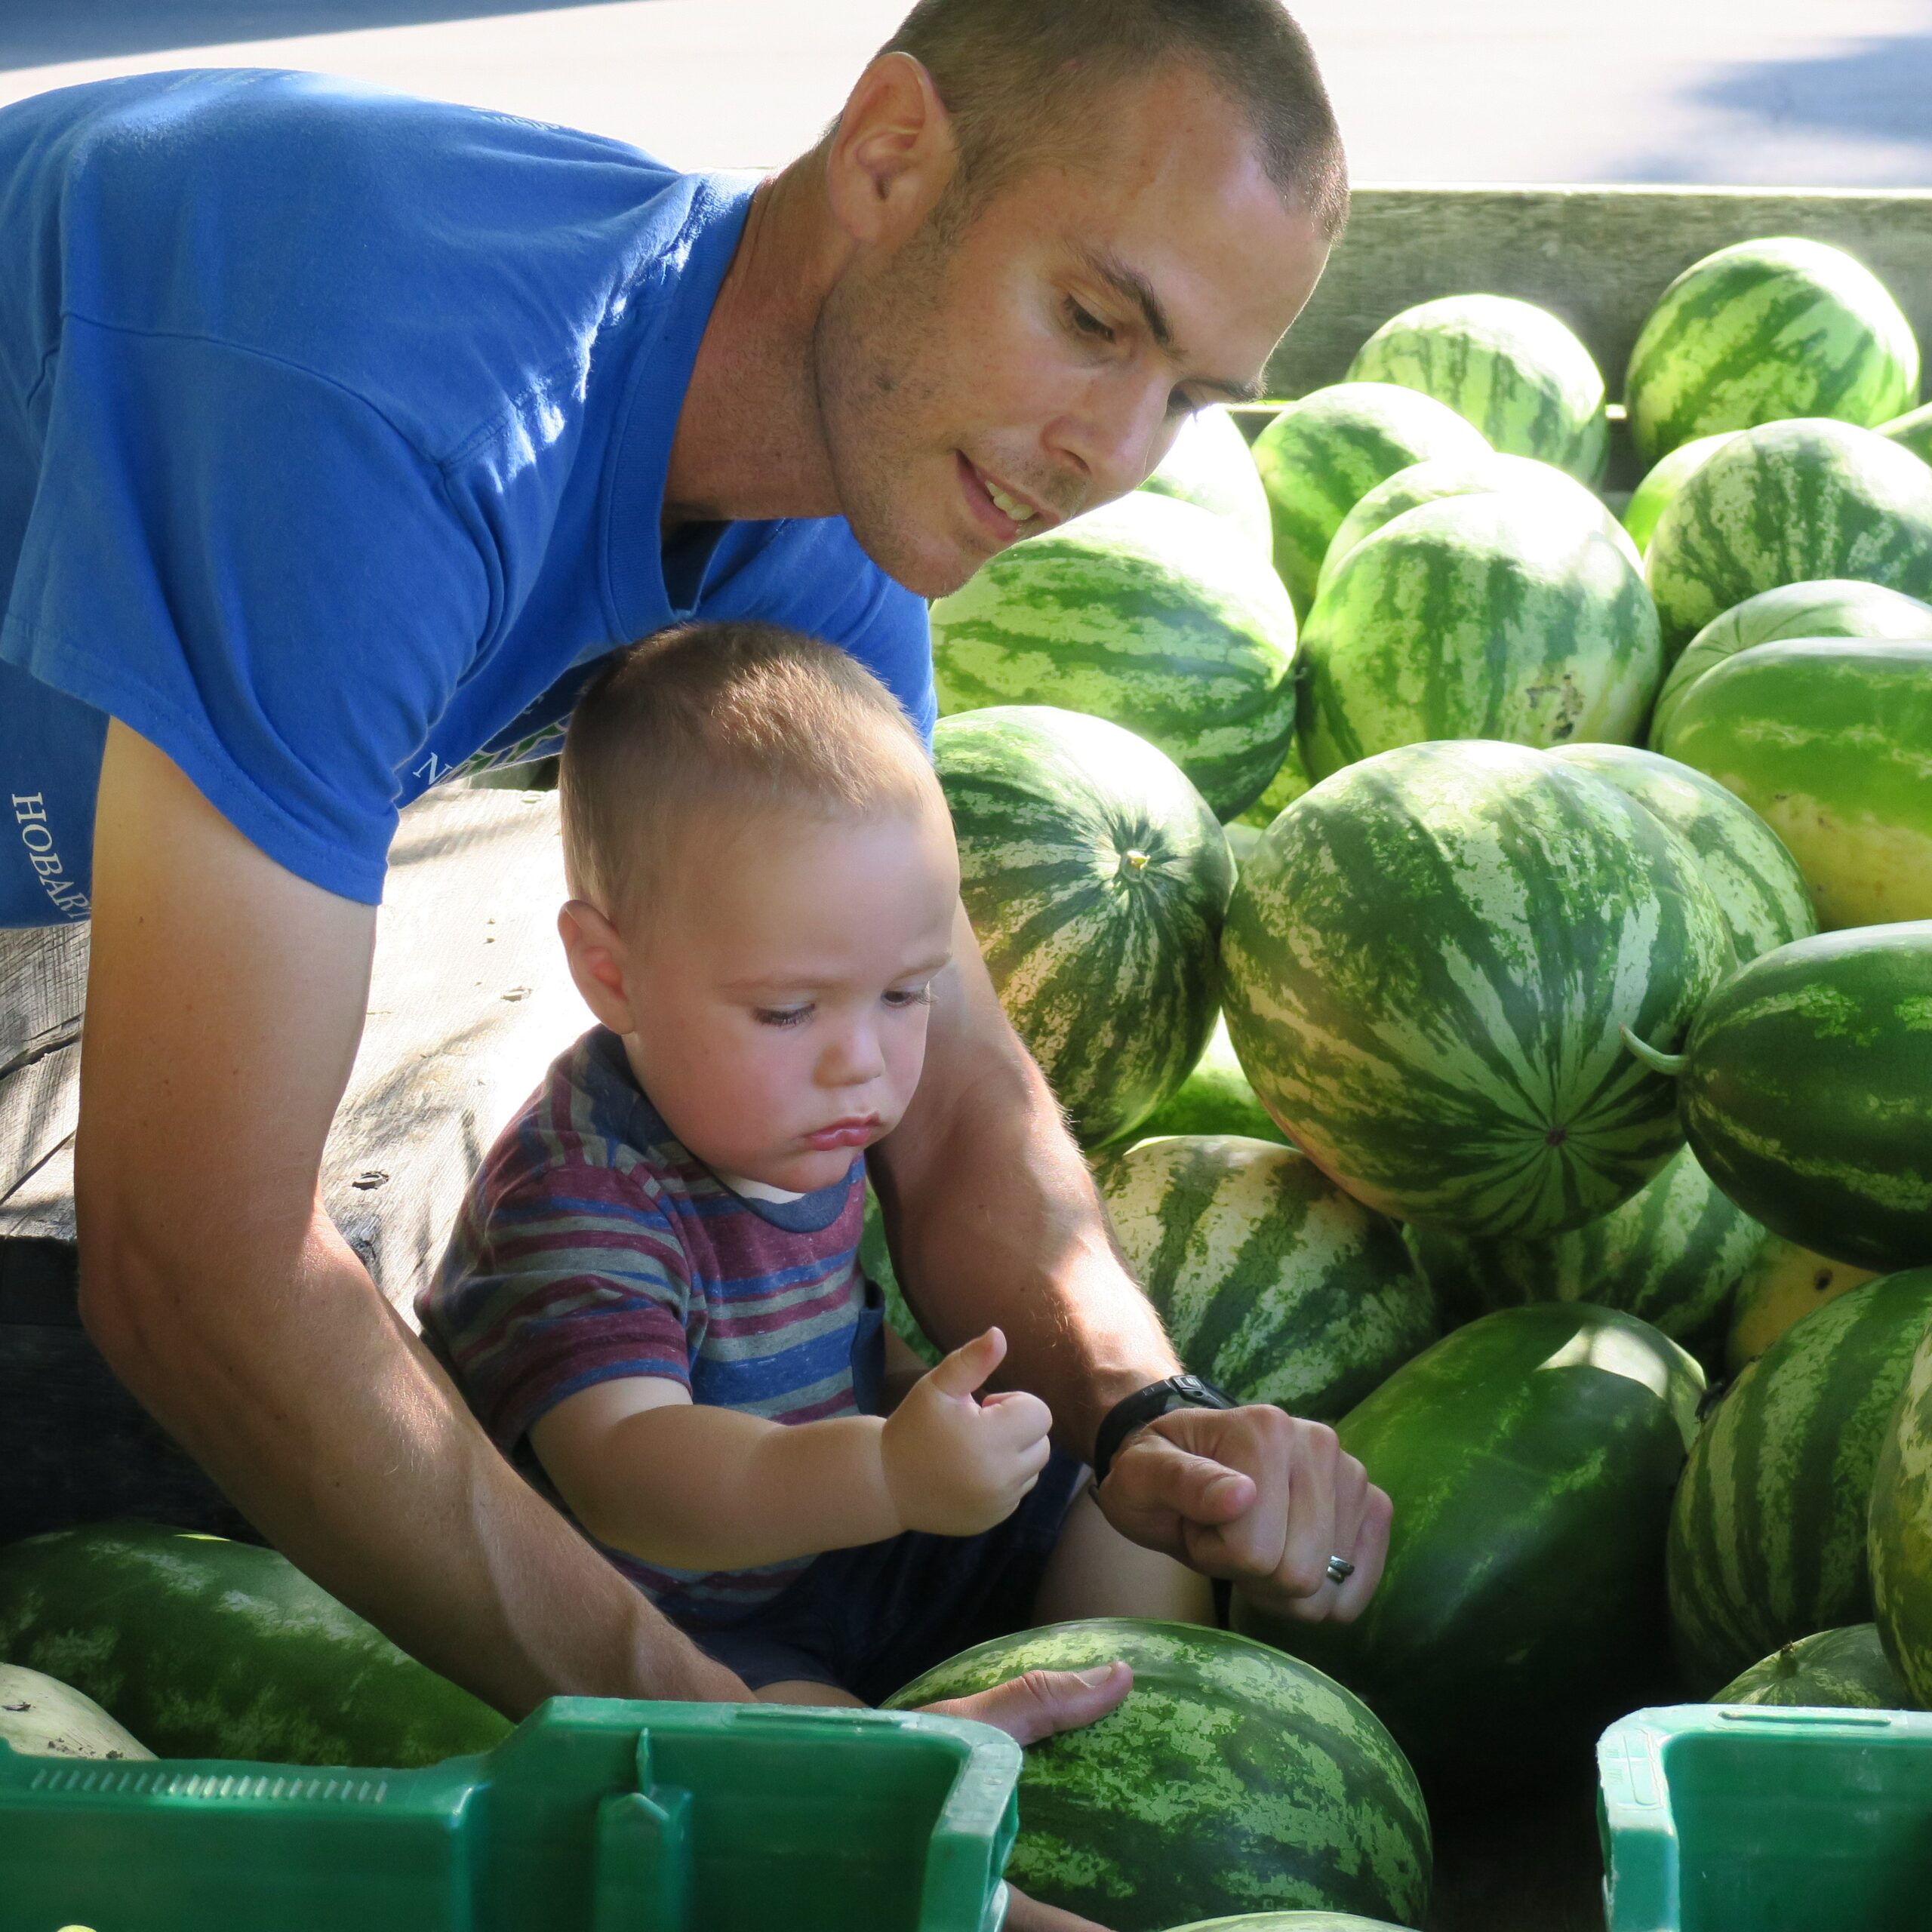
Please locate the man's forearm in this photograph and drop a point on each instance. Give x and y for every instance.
(289, 1380)
(994, 1218)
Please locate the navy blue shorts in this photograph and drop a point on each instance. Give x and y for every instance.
(870, 1620)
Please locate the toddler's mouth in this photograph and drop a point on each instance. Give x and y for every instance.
(857, 1131)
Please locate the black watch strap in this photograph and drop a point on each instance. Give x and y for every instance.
(1136, 1411)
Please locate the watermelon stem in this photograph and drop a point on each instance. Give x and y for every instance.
(1670, 1065)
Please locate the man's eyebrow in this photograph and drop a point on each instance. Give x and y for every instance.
(1132, 286)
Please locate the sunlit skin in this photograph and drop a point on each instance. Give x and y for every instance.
(858, 364)
(773, 1001)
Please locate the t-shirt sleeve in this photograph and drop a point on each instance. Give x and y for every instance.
(557, 1283)
(249, 566)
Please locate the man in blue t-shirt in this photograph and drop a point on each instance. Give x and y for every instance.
(340, 435)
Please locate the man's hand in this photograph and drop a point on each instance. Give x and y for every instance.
(955, 1466)
(1027, 1709)
(1256, 1497)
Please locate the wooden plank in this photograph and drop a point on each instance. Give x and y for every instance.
(43, 984)
(1599, 257)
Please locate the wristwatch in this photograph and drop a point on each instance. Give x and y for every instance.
(1136, 1411)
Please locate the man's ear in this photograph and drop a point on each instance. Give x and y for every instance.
(893, 154)
(596, 950)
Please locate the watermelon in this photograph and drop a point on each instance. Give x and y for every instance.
(1530, 1457)
(1215, 1098)
(1511, 369)
(1292, 1921)
(1782, 1285)
(1232, 1780)
(1768, 1533)
(1270, 1281)
(1661, 484)
(1838, 607)
(1831, 739)
(1790, 503)
(1428, 958)
(1844, 1669)
(1210, 465)
(1765, 331)
(206, 1648)
(1672, 1255)
(1753, 879)
(1290, 781)
(1151, 613)
(40, 1717)
(1505, 615)
(875, 1260)
(1899, 1531)
(1806, 1091)
(1321, 456)
(1493, 474)
(1912, 431)
(1096, 879)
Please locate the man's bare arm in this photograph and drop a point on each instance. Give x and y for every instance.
(224, 1000)
(994, 1218)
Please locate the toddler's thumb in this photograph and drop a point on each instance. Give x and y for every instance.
(963, 1371)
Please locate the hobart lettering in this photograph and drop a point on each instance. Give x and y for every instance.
(37, 836)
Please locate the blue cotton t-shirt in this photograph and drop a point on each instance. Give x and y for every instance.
(334, 428)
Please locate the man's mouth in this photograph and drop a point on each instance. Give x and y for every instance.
(997, 507)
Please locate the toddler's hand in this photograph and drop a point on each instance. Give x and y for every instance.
(956, 1466)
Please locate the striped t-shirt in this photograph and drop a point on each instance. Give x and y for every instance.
(592, 1245)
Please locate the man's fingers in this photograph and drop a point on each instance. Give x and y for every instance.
(1026, 1914)
(963, 1371)
(1371, 1553)
(1155, 1475)
(1043, 1702)
(1311, 1539)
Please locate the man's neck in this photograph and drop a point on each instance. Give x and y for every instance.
(750, 443)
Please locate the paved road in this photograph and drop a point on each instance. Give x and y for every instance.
(1794, 92)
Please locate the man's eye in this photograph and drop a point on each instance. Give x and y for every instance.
(1087, 323)
(781, 1016)
(1181, 404)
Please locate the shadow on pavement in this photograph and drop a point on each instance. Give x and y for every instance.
(1873, 96)
(38, 33)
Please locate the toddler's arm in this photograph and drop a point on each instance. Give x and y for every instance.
(690, 1486)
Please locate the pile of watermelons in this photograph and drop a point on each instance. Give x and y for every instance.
(1482, 930)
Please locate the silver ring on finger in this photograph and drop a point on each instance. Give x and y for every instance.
(1339, 1570)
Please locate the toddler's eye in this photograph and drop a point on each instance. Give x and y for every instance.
(902, 996)
(781, 1016)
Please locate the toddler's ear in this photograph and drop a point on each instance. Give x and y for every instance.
(596, 950)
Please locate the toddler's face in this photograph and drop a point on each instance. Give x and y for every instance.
(778, 1000)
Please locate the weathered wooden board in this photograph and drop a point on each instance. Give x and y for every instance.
(1599, 257)
(469, 1000)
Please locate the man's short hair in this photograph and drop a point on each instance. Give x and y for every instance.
(700, 729)
(1025, 80)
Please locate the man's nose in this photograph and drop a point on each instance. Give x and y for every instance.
(1114, 436)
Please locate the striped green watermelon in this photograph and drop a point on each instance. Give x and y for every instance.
(1231, 1779)
(1512, 369)
(1768, 1533)
(1151, 613)
(1292, 1921)
(1665, 478)
(1215, 1098)
(1806, 1091)
(1899, 1539)
(1840, 606)
(1672, 1255)
(1753, 879)
(1321, 456)
(1290, 781)
(1096, 879)
(1530, 1457)
(1428, 958)
(1499, 616)
(1211, 465)
(1765, 331)
(875, 1258)
(1790, 503)
(1270, 1280)
(206, 1648)
(1831, 739)
(1912, 431)
(41, 1717)
(1784, 1284)
(1844, 1669)
(1490, 475)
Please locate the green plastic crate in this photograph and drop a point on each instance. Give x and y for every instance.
(593, 1816)
(1736, 1818)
